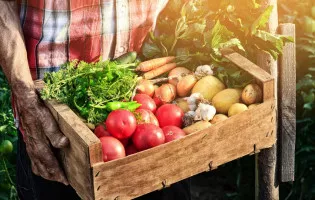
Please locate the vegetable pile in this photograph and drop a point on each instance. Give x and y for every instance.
(185, 99)
(183, 84)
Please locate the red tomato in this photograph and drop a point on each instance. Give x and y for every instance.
(131, 149)
(172, 133)
(100, 131)
(112, 148)
(169, 115)
(146, 117)
(158, 101)
(125, 142)
(146, 102)
(147, 136)
(121, 123)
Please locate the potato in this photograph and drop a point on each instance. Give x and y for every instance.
(198, 126)
(237, 108)
(208, 86)
(182, 104)
(218, 118)
(177, 72)
(225, 99)
(252, 94)
(185, 85)
(253, 105)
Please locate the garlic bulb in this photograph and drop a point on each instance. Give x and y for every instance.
(188, 118)
(203, 70)
(193, 100)
(205, 112)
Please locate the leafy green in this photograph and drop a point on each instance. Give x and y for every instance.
(196, 30)
(88, 87)
(7, 132)
(262, 20)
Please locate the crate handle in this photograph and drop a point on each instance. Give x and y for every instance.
(257, 72)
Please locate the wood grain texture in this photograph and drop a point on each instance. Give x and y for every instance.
(248, 66)
(205, 150)
(83, 151)
(287, 105)
(267, 158)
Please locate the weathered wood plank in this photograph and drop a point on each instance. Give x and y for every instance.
(84, 150)
(267, 158)
(287, 105)
(246, 65)
(158, 167)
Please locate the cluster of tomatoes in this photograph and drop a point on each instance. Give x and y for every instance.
(152, 124)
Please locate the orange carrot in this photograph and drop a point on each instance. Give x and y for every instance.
(158, 71)
(154, 63)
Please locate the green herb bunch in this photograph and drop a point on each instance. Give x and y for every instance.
(88, 87)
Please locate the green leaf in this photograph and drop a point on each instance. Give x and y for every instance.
(192, 30)
(150, 50)
(181, 27)
(3, 128)
(219, 34)
(307, 48)
(262, 20)
(234, 42)
(268, 42)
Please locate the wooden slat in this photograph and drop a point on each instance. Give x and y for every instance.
(156, 168)
(83, 151)
(267, 158)
(247, 65)
(287, 105)
(265, 79)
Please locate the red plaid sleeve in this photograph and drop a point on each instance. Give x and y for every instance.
(57, 31)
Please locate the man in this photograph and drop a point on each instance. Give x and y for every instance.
(38, 36)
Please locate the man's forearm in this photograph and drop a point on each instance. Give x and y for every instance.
(13, 56)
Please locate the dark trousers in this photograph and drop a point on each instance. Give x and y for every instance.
(32, 187)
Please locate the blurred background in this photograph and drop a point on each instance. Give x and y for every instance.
(234, 180)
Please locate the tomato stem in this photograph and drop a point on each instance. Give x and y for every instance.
(7, 172)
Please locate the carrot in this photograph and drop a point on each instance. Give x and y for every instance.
(158, 71)
(154, 63)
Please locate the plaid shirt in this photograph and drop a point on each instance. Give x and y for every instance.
(57, 31)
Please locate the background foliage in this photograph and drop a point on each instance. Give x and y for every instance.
(8, 136)
(233, 180)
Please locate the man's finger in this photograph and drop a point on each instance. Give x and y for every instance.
(49, 161)
(50, 127)
(43, 171)
(34, 169)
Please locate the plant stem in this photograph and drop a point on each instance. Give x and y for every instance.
(174, 44)
(7, 172)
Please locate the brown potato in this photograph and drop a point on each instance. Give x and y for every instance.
(252, 94)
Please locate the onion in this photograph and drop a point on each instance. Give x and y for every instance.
(145, 87)
(166, 93)
(176, 72)
(185, 85)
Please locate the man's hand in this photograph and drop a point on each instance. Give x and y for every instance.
(41, 132)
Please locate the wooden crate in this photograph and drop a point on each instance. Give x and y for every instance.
(244, 134)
